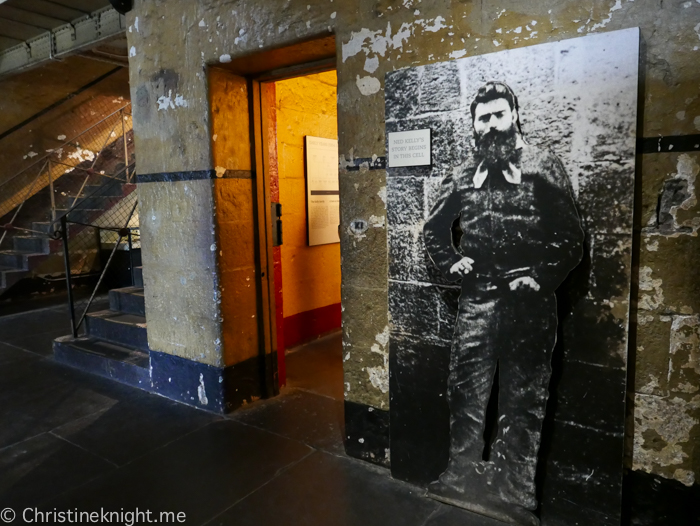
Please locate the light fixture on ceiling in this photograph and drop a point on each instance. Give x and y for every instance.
(122, 6)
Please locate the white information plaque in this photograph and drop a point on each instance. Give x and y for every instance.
(410, 148)
(322, 191)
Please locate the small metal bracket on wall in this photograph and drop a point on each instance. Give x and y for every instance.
(276, 224)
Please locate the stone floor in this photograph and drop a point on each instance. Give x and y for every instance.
(69, 440)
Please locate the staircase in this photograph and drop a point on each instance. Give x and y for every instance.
(115, 343)
(88, 184)
(33, 252)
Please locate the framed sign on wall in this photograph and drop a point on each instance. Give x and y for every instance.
(322, 190)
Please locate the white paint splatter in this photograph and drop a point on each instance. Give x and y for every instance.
(696, 122)
(382, 194)
(379, 376)
(377, 221)
(136, 24)
(333, 14)
(61, 137)
(368, 85)
(202, 23)
(202, 391)
(214, 137)
(378, 42)
(132, 51)
(82, 155)
(166, 102)
(458, 53)
(680, 115)
(496, 43)
(225, 58)
(438, 24)
(371, 64)
(220, 171)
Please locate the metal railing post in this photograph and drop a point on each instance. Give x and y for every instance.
(69, 280)
(53, 198)
(126, 152)
(131, 259)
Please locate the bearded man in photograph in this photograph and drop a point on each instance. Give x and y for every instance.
(506, 225)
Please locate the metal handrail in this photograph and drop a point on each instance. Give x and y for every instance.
(125, 231)
(38, 161)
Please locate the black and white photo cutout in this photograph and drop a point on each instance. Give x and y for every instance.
(509, 275)
(505, 223)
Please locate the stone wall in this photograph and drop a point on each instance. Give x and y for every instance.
(171, 45)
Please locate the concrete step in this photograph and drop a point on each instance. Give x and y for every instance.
(21, 260)
(13, 259)
(128, 330)
(129, 300)
(106, 190)
(33, 244)
(41, 227)
(93, 203)
(80, 215)
(123, 364)
(9, 277)
(138, 277)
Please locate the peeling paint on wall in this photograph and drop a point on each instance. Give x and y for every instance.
(201, 391)
(662, 426)
(166, 102)
(368, 85)
(379, 375)
(648, 284)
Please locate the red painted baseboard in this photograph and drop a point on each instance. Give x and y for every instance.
(308, 325)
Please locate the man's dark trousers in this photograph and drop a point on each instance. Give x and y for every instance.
(513, 332)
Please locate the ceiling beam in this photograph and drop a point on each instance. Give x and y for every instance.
(30, 18)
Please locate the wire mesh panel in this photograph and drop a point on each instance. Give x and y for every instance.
(76, 209)
(54, 183)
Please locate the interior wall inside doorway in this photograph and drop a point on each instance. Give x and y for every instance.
(310, 275)
(235, 215)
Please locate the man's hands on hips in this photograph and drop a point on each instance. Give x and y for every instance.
(524, 283)
(465, 265)
(462, 267)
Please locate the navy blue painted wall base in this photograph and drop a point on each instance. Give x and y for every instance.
(216, 389)
(367, 433)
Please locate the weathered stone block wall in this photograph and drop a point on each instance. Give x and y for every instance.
(171, 45)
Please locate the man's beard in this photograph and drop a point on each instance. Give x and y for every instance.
(496, 148)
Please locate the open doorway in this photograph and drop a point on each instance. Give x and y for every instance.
(301, 123)
(279, 303)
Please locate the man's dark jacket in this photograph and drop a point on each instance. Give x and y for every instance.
(509, 230)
